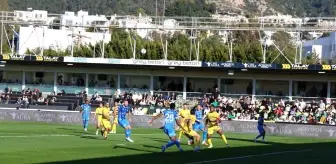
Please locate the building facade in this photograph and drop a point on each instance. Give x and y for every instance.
(186, 82)
(323, 47)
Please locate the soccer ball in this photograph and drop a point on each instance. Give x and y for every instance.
(143, 51)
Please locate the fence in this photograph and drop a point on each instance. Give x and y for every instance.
(280, 129)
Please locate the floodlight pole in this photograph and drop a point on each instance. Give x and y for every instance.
(42, 51)
(1, 39)
(134, 47)
(166, 50)
(13, 43)
(103, 49)
(301, 46)
(230, 46)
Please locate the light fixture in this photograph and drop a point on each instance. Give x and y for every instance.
(244, 70)
(231, 72)
(70, 64)
(171, 67)
(321, 72)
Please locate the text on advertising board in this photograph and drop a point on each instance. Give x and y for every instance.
(280, 129)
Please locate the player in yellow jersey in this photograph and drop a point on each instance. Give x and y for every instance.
(106, 121)
(194, 137)
(183, 114)
(213, 125)
(115, 117)
(99, 114)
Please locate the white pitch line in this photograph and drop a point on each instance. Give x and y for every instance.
(62, 135)
(249, 156)
(35, 136)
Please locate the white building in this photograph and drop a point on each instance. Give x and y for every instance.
(324, 47)
(142, 24)
(280, 19)
(31, 16)
(37, 37)
(82, 18)
(230, 19)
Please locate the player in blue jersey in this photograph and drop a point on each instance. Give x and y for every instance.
(260, 127)
(199, 124)
(170, 118)
(86, 112)
(124, 119)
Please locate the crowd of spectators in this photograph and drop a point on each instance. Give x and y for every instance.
(243, 108)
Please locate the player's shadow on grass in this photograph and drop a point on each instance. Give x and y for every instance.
(163, 141)
(273, 153)
(135, 149)
(150, 146)
(251, 140)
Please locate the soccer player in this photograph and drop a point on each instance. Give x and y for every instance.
(170, 118)
(123, 115)
(99, 113)
(106, 120)
(260, 127)
(183, 114)
(194, 137)
(115, 117)
(199, 124)
(213, 125)
(85, 111)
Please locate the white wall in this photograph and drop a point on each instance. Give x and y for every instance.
(264, 86)
(327, 44)
(239, 86)
(48, 78)
(138, 81)
(13, 76)
(32, 38)
(202, 83)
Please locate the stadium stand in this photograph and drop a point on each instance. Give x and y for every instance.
(242, 108)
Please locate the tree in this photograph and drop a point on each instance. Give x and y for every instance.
(3, 5)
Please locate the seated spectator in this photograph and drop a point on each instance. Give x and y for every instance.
(95, 96)
(40, 100)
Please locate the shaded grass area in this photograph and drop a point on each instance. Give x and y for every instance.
(30, 143)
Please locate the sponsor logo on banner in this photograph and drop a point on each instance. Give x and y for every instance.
(149, 62)
(45, 117)
(3, 115)
(212, 64)
(13, 57)
(331, 132)
(300, 66)
(184, 63)
(265, 66)
(91, 60)
(141, 121)
(227, 127)
(248, 128)
(280, 130)
(227, 65)
(50, 59)
(219, 64)
(326, 67)
(249, 65)
(286, 66)
(20, 116)
(70, 118)
(309, 131)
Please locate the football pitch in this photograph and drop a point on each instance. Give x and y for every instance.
(56, 143)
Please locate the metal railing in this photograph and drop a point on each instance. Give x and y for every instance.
(196, 23)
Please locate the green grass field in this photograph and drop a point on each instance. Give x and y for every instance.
(54, 143)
